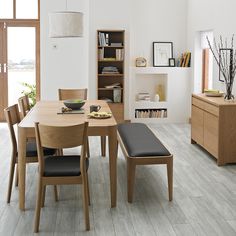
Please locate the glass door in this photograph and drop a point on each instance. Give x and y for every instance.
(3, 71)
(19, 61)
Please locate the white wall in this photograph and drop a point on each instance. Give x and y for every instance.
(73, 63)
(67, 65)
(156, 20)
(217, 15)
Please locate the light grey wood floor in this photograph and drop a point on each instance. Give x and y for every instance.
(204, 195)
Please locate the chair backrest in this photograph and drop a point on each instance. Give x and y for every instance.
(65, 94)
(24, 105)
(12, 116)
(59, 137)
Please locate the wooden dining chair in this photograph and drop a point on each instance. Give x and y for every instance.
(65, 94)
(65, 169)
(24, 105)
(12, 116)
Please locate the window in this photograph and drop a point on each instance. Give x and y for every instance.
(6, 9)
(19, 9)
(31, 6)
(207, 60)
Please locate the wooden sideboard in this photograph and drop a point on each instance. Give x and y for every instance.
(213, 126)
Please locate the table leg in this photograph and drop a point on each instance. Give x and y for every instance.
(21, 166)
(112, 140)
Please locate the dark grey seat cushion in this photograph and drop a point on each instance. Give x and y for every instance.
(140, 141)
(31, 150)
(63, 165)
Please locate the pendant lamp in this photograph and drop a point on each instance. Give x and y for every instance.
(63, 24)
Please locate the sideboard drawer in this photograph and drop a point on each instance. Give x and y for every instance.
(211, 109)
(198, 103)
(206, 106)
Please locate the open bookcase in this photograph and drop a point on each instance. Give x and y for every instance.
(110, 70)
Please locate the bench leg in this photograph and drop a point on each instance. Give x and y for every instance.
(130, 179)
(170, 178)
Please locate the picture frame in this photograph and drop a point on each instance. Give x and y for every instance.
(162, 51)
(172, 62)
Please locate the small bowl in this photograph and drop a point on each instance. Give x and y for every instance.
(74, 104)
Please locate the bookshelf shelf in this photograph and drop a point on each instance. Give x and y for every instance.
(109, 88)
(110, 46)
(110, 60)
(109, 75)
(110, 69)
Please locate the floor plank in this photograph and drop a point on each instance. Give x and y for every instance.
(204, 200)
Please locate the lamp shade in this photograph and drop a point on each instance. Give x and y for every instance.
(65, 24)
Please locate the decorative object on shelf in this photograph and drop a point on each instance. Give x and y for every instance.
(63, 24)
(162, 51)
(160, 92)
(117, 95)
(171, 62)
(140, 62)
(225, 57)
(157, 98)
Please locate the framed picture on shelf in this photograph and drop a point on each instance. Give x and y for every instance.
(162, 51)
(171, 62)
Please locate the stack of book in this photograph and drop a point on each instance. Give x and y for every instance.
(115, 85)
(103, 39)
(119, 54)
(143, 97)
(116, 44)
(151, 113)
(184, 60)
(110, 70)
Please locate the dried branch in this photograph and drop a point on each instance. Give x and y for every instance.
(226, 60)
(216, 59)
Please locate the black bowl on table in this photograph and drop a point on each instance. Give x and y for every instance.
(74, 104)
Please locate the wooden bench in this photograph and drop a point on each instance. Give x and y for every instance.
(141, 147)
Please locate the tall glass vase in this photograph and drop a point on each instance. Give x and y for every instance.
(228, 95)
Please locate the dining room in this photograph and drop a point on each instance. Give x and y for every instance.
(114, 119)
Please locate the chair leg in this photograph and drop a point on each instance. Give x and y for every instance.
(43, 196)
(103, 146)
(131, 167)
(88, 150)
(89, 202)
(11, 175)
(55, 193)
(16, 176)
(85, 204)
(38, 205)
(170, 178)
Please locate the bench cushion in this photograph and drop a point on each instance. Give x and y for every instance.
(140, 141)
